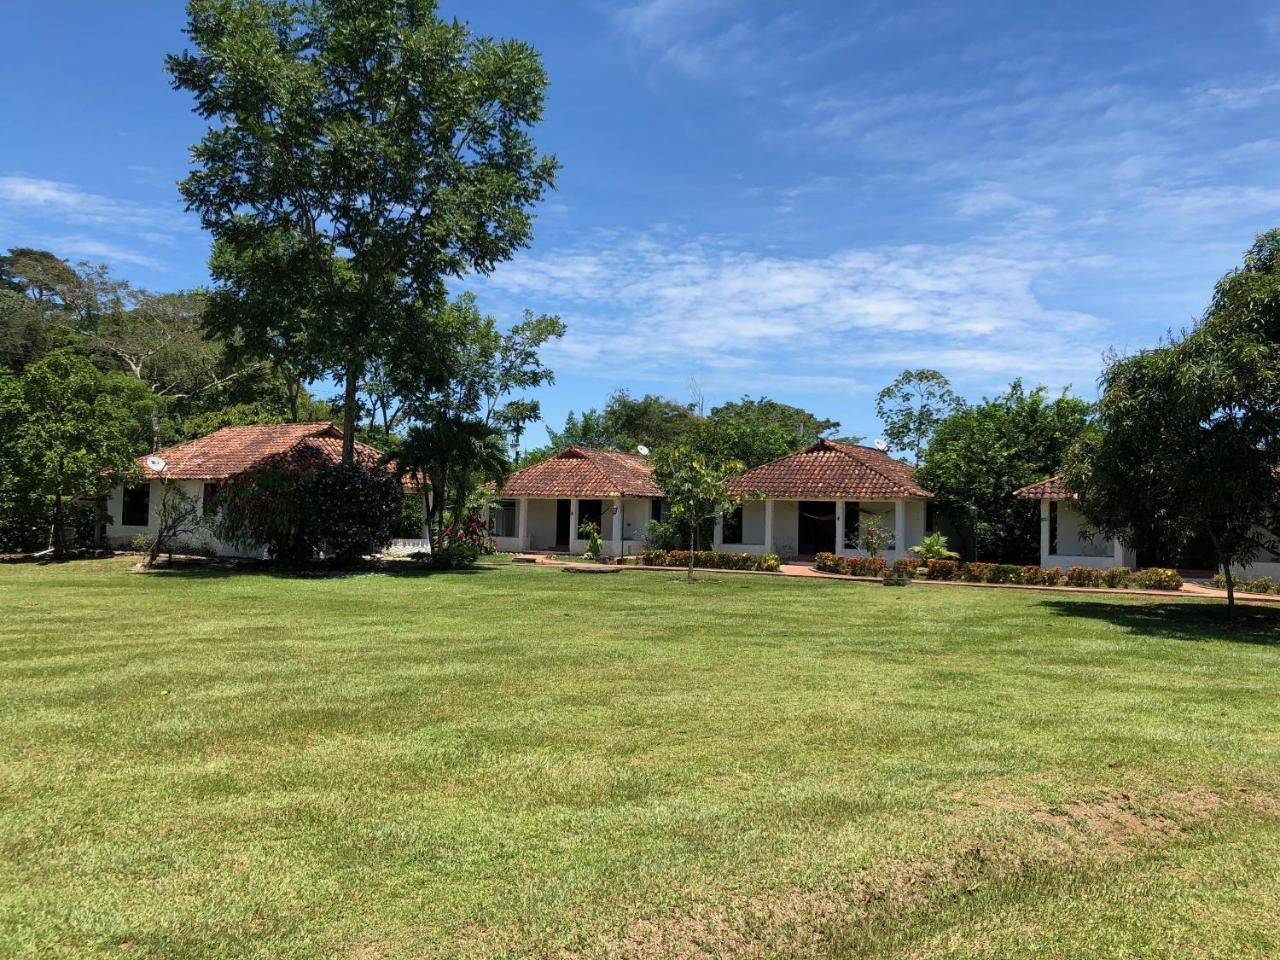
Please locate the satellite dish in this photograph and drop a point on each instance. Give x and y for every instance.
(642, 450)
(882, 446)
(156, 464)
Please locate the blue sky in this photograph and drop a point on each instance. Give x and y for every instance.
(796, 200)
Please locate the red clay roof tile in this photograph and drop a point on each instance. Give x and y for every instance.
(830, 469)
(233, 450)
(585, 472)
(1055, 488)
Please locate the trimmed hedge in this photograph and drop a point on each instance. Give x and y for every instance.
(850, 566)
(711, 560)
(1029, 575)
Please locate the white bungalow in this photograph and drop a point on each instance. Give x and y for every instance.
(1065, 540)
(200, 466)
(820, 499)
(544, 505)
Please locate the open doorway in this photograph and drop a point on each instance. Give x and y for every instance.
(817, 527)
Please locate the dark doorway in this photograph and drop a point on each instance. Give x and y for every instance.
(817, 529)
(562, 524)
(589, 511)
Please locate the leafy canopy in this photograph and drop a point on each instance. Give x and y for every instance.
(359, 154)
(912, 407)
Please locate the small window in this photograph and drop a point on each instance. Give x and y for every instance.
(732, 527)
(1053, 527)
(502, 519)
(930, 516)
(852, 530)
(136, 511)
(655, 509)
(209, 499)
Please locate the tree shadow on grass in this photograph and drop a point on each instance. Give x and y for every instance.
(1249, 623)
(214, 571)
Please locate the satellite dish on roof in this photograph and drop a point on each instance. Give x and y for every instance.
(156, 464)
(882, 446)
(642, 450)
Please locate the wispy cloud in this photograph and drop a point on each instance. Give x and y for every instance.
(65, 201)
(668, 306)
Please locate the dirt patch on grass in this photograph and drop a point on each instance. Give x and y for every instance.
(1118, 818)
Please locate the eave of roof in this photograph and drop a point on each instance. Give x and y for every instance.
(585, 472)
(1052, 488)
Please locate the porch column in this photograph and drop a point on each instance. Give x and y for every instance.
(522, 522)
(617, 525)
(900, 527)
(573, 525)
(1118, 551)
(717, 538)
(768, 527)
(1044, 532)
(839, 547)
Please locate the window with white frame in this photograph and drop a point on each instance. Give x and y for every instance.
(502, 518)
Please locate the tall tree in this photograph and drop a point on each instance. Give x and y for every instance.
(755, 431)
(912, 407)
(981, 454)
(1190, 439)
(370, 148)
(74, 436)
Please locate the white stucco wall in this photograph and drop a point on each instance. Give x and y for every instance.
(636, 512)
(201, 541)
(1099, 555)
(542, 524)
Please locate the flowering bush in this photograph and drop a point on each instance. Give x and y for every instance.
(1256, 585)
(1117, 577)
(850, 566)
(905, 567)
(470, 530)
(1157, 578)
(1051, 576)
(978, 572)
(711, 559)
(589, 531)
(943, 569)
(1007, 573)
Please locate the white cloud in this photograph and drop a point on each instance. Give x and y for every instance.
(663, 307)
(88, 248)
(65, 201)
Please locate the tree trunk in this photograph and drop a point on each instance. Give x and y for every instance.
(349, 415)
(59, 528)
(1225, 561)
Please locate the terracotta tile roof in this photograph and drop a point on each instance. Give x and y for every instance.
(585, 472)
(1055, 488)
(233, 450)
(829, 469)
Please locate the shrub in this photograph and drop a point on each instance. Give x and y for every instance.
(1084, 577)
(140, 543)
(455, 556)
(590, 532)
(1007, 573)
(661, 535)
(1051, 576)
(1115, 577)
(299, 505)
(1219, 581)
(712, 559)
(1259, 585)
(943, 569)
(977, 572)
(1030, 574)
(827, 562)
(1157, 578)
(934, 547)
(905, 567)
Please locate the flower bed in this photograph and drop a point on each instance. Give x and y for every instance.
(1262, 585)
(1156, 578)
(711, 560)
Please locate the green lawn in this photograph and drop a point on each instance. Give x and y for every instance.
(518, 761)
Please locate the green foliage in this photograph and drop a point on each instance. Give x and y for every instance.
(662, 535)
(178, 514)
(697, 489)
(358, 156)
(755, 431)
(628, 422)
(934, 547)
(981, 454)
(297, 506)
(854, 566)
(875, 538)
(912, 407)
(710, 560)
(1191, 430)
(590, 532)
(942, 569)
(70, 434)
(1156, 578)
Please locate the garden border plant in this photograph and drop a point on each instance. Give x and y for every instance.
(940, 570)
